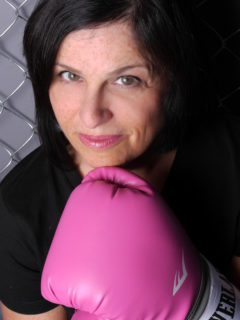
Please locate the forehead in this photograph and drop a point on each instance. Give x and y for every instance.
(113, 41)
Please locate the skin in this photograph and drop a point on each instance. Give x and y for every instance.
(56, 314)
(102, 85)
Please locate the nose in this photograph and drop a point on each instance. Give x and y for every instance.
(94, 109)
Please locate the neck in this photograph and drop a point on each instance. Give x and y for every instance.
(153, 168)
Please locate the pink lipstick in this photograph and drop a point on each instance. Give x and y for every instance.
(99, 142)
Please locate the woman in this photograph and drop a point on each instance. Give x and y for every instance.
(113, 84)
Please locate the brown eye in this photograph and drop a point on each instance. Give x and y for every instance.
(69, 76)
(127, 80)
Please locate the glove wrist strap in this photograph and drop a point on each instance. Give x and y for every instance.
(219, 299)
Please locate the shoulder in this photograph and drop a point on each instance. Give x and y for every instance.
(20, 256)
(22, 194)
(204, 186)
(229, 127)
(26, 170)
(27, 178)
(210, 158)
(215, 140)
(33, 195)
(30, 200)
(223, 125)
(219, 147)
(35, 190)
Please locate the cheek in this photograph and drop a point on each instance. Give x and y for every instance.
(62, 104)
(143, 124)
(154, 111)
(148, 118)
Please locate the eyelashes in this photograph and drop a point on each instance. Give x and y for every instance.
(128, 81)
(122, 81)
(69, 76)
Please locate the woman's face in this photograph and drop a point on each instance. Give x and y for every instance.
(104, 97)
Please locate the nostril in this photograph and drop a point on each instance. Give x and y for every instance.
(93, 117)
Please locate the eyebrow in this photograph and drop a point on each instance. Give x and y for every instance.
(114, 72)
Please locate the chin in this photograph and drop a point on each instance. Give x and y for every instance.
(115, 163)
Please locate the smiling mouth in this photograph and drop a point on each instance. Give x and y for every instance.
(99, 142)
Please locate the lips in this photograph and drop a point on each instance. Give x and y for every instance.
(99, 142)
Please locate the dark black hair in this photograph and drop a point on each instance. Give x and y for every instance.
(161, 29)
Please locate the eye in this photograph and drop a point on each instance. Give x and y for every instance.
(128, 80)
(69, 76)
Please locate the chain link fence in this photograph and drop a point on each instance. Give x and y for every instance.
(18, 134)
(219, 40)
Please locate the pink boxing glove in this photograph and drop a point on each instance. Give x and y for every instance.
(119, 253)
